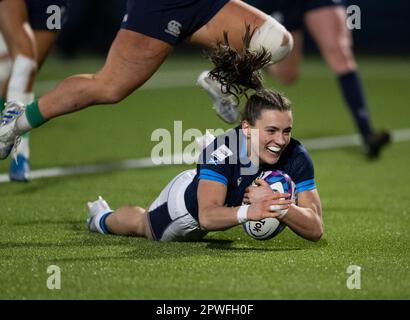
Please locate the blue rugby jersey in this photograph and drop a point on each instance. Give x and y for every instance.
(225, 161)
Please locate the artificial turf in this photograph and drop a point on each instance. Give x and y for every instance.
(365, 204)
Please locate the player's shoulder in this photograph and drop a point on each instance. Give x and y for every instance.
(224, 148)
(296, 150)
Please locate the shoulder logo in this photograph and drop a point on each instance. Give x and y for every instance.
(125, 19)
(174, 28)
(222, 153)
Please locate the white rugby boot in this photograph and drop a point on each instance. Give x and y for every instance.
(96, 210)
(8, 136)
(224, 104)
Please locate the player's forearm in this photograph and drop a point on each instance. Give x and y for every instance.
(218, 218)
(305, 222)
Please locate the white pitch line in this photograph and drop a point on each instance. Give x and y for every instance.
(161, 80)
(324, 143)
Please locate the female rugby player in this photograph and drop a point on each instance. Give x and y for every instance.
(210, 198)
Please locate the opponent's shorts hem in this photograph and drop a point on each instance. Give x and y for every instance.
(173, 24)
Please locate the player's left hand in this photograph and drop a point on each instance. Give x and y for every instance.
(255, 193)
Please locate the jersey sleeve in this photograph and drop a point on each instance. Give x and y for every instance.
(303, 174)
(214, 162)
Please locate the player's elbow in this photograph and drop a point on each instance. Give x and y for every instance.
(316, 233)
(316, 236)
(204, 221)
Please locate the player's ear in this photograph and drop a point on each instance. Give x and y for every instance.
(246, 129)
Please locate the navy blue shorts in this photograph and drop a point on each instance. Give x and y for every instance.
(291, 12)
(169, 20)
(38, 15)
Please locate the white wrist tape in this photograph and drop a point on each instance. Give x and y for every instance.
(242, 213)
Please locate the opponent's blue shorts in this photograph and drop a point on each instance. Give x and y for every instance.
(38, 13)
(169, 20)
(291, 12)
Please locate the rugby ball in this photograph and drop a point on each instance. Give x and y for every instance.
(270, 227)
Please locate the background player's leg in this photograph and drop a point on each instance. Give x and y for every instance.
(20, 41)
(44, 43)
(5, 69)
(327, 26)
(336, 47)
(22, 47)
(20, 169)
(287, 70)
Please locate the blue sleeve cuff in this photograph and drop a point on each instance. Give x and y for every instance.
(305, 185)
(206, 174)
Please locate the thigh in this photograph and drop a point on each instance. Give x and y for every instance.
(168, 217)
(165, 193)
(231, 18)
(15, 27)
(133, 58)
(327, 25)
(328, 28)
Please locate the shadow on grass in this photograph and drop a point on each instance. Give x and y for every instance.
(96, 247)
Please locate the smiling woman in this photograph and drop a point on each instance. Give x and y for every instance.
(210, 198)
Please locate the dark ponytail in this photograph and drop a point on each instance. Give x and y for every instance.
(237, 72)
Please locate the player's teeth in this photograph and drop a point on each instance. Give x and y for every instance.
(274, 149)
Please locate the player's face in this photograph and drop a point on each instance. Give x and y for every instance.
(274, 129)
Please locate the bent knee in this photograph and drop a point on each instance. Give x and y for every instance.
(274, 38)
(108, 92)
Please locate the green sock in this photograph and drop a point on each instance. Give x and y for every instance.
(2, 102)
(26, 135)
(34, 116)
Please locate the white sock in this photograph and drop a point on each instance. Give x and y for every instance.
(22, 69)
(20, 96)
(99, 210)
(97, 225)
